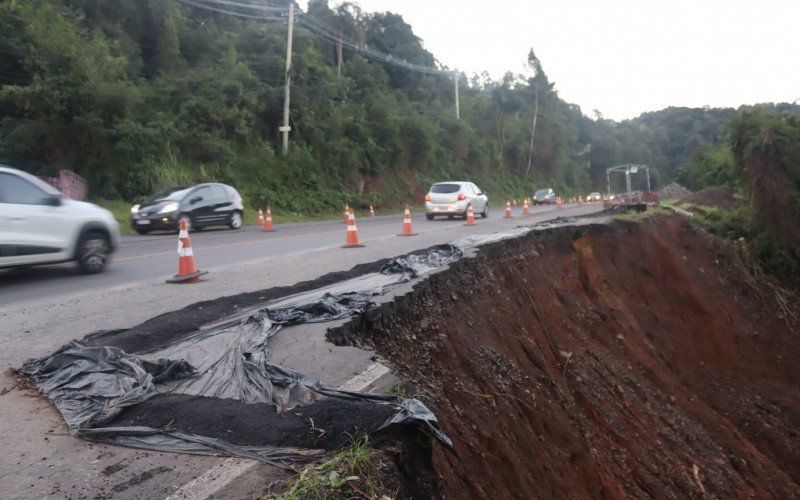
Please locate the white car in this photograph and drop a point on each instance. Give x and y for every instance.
(453, 198)
(38, 226)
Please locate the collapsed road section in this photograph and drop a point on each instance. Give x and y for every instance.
(200, 380)
(108, 394)
(634, 359)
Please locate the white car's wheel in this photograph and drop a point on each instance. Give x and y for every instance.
(93, 253)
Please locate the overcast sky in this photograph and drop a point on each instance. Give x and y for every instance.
(621, 57)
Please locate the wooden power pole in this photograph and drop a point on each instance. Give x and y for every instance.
(286, 94)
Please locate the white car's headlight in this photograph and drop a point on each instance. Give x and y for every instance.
(169, 207)
(135, 208)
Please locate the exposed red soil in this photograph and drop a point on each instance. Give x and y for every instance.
(635, 359)
(717, 196)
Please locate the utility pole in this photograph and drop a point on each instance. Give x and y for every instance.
(533, 131)
(455, 81)
(339, 52)
(286, 128)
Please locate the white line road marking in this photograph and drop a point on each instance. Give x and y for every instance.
(365, 378)
(214, 479)
(220, 476)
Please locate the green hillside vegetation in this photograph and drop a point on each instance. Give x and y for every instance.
(137, 95)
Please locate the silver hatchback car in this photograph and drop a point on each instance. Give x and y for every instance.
(453, 198)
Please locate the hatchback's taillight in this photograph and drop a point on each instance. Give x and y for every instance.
(462, 197)
(427, 197)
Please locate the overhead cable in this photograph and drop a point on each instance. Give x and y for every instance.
(232, 13)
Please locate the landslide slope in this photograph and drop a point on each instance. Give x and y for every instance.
(631, 359)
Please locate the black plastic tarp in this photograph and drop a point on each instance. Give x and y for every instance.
(90, 386)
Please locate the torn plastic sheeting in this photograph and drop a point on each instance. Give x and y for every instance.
(231, 360)
(148, 438)
(367, 284)
(118, 380)
(90, 385)
(414, 265)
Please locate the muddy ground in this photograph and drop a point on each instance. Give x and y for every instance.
(723, 197)
(632, 359)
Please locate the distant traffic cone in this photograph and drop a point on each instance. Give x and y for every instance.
(187, 273)
(508, 210)
(580, 200)
(268, 221)
(371, 211)
(407, 231)
(526, 209)
(352, 232)
(559, 202)
(515, 202)
(470, 216)
(260, 217)
(346, 213)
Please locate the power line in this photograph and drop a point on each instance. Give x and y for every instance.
(232, 13)
(260, 6)
(321, 29)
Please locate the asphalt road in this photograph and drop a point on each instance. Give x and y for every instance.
(43, 308)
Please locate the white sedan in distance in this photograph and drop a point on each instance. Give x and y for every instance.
(453, 198)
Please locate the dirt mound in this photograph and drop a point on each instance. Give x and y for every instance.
(717, 196)
(673, 191)
(610, 361)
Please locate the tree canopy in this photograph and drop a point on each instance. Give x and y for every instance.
(139, 94)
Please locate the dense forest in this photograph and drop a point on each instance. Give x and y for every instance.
(135, 95)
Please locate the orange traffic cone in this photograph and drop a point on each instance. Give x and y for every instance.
(407, 231)
(352, 232)
(346, 213)
(268, 228)
(580, 200)
(187, 273)
(260, 217)
(371, 211)
(526, 209)
(559, 202)
(470, 216)
(508, 210)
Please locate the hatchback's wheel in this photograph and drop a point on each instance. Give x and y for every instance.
(485, 212)
(185, 218)
(236, 220)
(93, 253)
(429, 216)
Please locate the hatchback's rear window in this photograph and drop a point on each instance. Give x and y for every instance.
(445, 188)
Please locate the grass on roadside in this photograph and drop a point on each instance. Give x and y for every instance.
(356, 471)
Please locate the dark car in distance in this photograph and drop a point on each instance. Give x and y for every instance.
(201, 205)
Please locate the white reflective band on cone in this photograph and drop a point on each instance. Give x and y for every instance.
(183, 234)
(185, 252)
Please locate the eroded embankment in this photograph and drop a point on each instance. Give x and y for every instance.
(635, 359)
